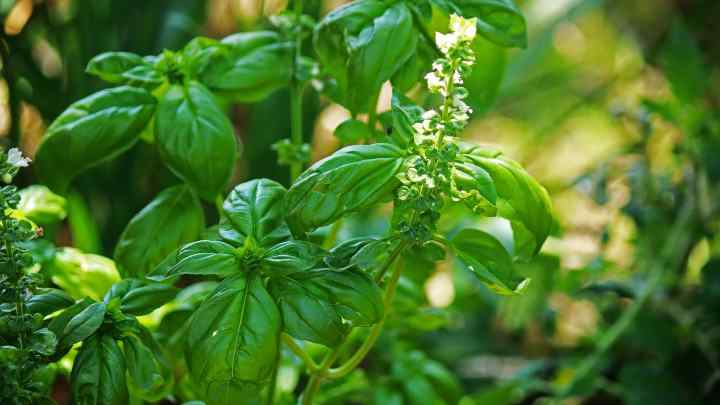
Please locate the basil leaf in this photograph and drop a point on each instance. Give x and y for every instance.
(354, 295)
(485, 256)
(195, 139)
(353, 131)
(404, 114)
(352, 43)
(82, 325)
(425, 380)
(340, 256)
(98, 373)
(173, 218)
(232, 341)
(254, 210)
(500, 21)
(45, 301)
(58, 324)
(291, 257)
(474, 187)
(248, 66)
(147, 374)
(92, 131)
(139, 297)
(307, 312)
(205, 257)
(43, 342)
(521, 199)
(124, 68)
(351, 179)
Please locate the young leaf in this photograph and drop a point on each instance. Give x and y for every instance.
(306, 310)
(500, 21)
(139, 297)
(351, 179)
(98, 373)
(340, 257)
(124, 68)
(353, 131)
(404, 114)
(82, 325)
(195, 139)
(475, 186)
(248, 66)
(487, 258)
(204, 257)
(254, 210)
(290, 257)
(147, 375)
(92, 131)
(521, 199)
(232, 341)
(173, 218)
(58, 324)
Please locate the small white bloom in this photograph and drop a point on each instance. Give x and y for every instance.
(418, 127)
(15, 158)
(429, 114)
(446, 41)
(466, 29)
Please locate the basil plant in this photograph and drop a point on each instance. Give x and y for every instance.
(287, 294)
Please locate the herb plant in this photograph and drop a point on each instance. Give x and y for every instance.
(278, 285)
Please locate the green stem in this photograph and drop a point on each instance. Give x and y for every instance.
(332, 236)
(394, 255)
(324, 370)
(295, 348)
(449, 87)
(296, 91)
(219, 206)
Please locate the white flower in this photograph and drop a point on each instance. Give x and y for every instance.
(465, 29)
(15, 158)
(429, 114)
(435, 82)
(446, 41)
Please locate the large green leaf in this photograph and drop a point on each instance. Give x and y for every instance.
(254, 210)
(82, 275)
(520, 198)
(173, 218)
(195, 139)
(124, 68)
(351, 179)
(92, 131)
(82, 325)
(307, 311)
(500, 21)
(354, 295)
(48, 300)
(485, 256)
(232, 341)
(363, 44)
(98, 373)
(148, 375)
(290, 257)
(138, 297)
(247, 66)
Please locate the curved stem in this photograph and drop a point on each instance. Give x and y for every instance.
(324, 370)
(292, 345)
(394, 255)
(219, 206)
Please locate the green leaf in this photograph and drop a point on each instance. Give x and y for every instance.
(41, 205)
(147, 374)
(92, 131)
(58, 324)
(124, 68)
(353, 131)
(232, 341)
(138, 297)
(351, 179)
(307, 311)
(82, 325)
(425, 380)
(354, 295)
(475, 187)
(340, 256)
(254, 210)
(483, 83)
(488, 259)
(291, 257)
(352, 43)
(98, 373)
(45, 301)
(43, 342)
(173, 218)
(205, 258)
(500, 21)
(248, 66)
(521, 199)
(195, 139)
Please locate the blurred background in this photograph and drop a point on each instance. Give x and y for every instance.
(613, 106)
